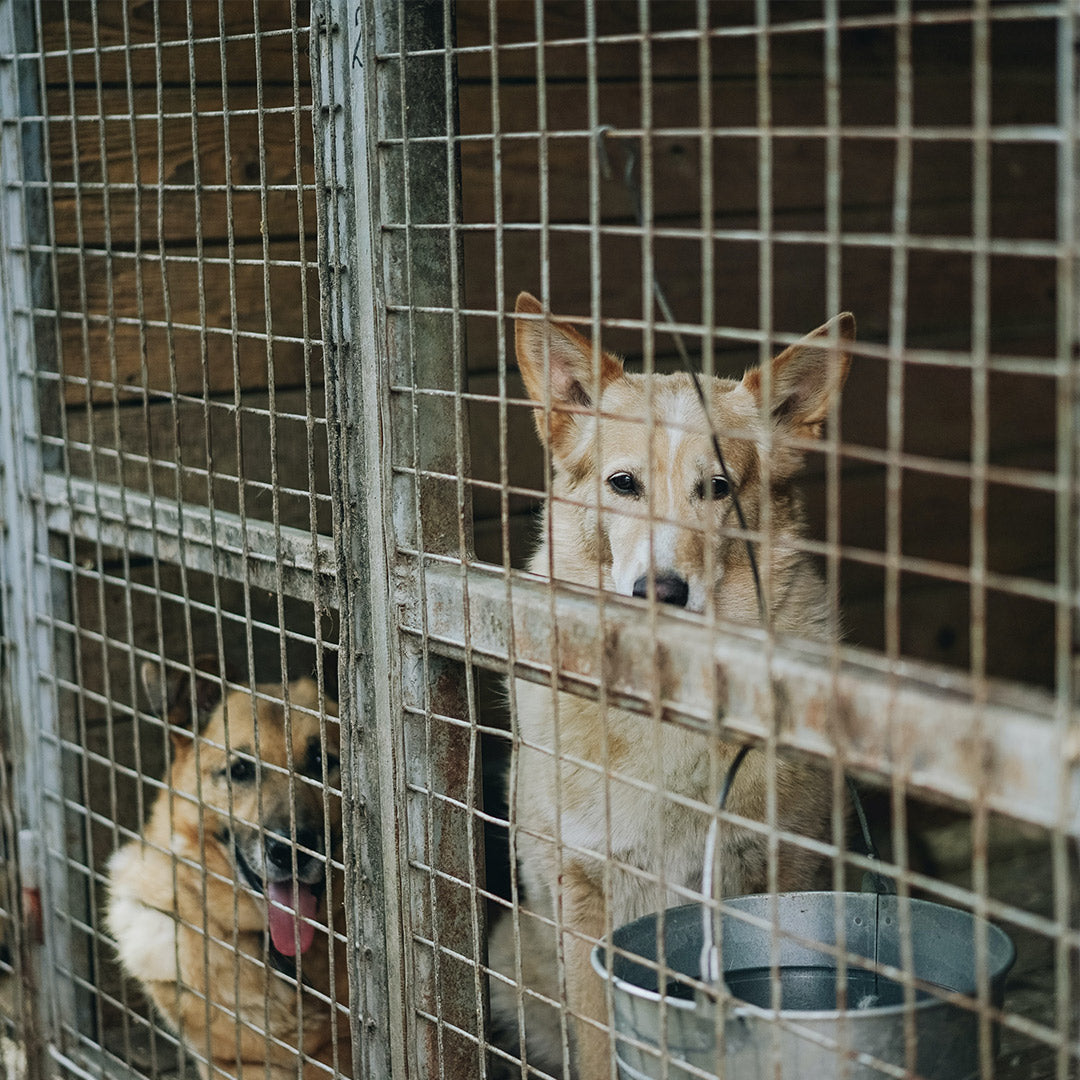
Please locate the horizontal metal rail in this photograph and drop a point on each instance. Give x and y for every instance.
(212, 542)
(913, 720)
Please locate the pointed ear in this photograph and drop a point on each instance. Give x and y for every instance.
(570, 381)
(186, 699)
(806, 376)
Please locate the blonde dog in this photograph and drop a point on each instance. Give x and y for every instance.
(219, 909)
(640, 504)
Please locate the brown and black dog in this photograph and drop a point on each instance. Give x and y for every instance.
(220, 908)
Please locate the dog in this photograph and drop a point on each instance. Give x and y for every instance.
(219, 908)
(640, 505)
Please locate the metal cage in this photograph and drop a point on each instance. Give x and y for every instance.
(260, 400)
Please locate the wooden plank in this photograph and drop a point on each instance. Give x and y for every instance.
(163, 449)
(935, 521)
(616, 25)
(939, 292)
(259, 554)
(937, 416)
(923, 726)
(797, 101)
(1022, 178)
(617, 22)
(117, 282)
(178, 205)
(75, 21)
(799, 176)
(935, 626)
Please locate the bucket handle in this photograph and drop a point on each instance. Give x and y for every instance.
(710, 955)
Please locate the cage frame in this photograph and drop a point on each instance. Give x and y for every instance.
(416, 615)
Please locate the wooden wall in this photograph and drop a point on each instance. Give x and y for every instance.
(935, 512)
(182, 190)
(140, 191)
(152, 179)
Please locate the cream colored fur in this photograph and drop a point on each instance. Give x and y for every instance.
(606, 797)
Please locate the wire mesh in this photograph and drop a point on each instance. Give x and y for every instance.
(269, 411)
(179, 793)
(788, 161)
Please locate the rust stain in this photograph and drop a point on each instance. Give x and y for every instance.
(845, 719)
(782, 712)
(667, 679)
(610, 654)
(815, 716)
(721, 691)
(978, 760)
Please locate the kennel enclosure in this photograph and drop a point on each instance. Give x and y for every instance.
(259, 399)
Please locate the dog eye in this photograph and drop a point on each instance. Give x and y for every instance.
(720, 487)
(315, 762)
(623, 483)
(242, 770)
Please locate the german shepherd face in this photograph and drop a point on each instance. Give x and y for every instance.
(639, 497)
(263, 779)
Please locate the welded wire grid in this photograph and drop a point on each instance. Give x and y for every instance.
(167, 499)
(162, 404)
(912, 162)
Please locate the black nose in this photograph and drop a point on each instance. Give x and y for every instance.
(280, 848)
(670, 588)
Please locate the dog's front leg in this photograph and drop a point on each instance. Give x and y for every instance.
(583, 920)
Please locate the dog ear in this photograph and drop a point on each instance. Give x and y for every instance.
(570, 377)
(806, 377)
(187, 699)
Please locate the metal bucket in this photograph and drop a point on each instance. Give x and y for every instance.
(745, 1041)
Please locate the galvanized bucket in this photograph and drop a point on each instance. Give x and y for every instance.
(735, 1035)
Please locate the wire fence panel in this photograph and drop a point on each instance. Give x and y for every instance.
(720, 179)
(460, 618)
(170, 595)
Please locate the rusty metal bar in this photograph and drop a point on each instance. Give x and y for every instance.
(917, 725)
(231, 547)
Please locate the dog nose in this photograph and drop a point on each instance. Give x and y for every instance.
(280, 848)
(670, 588)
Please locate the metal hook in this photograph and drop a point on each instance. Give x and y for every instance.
(600, 142)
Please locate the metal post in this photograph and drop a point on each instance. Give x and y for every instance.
(388, 182)
(33, 597)
(340, 74)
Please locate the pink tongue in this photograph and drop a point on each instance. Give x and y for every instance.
(284, 919)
